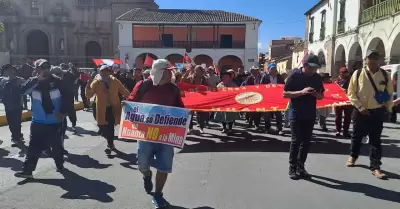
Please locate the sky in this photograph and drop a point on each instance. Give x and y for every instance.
(279, 17)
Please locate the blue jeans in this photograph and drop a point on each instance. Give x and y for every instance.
(164, 156)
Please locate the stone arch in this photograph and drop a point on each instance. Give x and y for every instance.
(202, 58)
(175, 58)
(139, 61)
(377, 44)
(37, 45)
(340, 54)
(230, 62)
(355, 57)
(92, 51)
(322, 58)
(395, 50)
(339, 61)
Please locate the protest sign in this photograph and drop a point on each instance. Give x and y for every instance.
(154, 123)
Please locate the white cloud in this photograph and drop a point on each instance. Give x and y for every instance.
(259, 45)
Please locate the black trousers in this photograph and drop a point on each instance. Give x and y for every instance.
(201, 118)
(72, 117)
(44, 136)
(372, 126)
(278, 117)
(83, 96)
(256, 118)
(301, 137)
(108, 131)
(94, 110)
(14, 122)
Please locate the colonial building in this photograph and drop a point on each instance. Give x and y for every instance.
(65, 30)
(342, 31)
(209, 36)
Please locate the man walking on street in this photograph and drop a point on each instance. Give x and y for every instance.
(158, 89)
(49, 99)
(273, 77)
(12, 100)
(370, 92)
(303, 87)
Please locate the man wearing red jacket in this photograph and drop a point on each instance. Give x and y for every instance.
(157, 89)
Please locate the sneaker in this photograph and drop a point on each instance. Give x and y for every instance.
(337, 134)
(281, 133)
(60, 169)
(223, 131)
(24, 174)
(15, 142)
(148, 183)
(201, 131)
(292, 173)
(159, 201)
(325, 129)
(301, 171)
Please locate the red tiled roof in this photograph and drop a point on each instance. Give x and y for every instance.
(183, 16)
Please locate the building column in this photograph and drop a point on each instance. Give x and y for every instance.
(65, 38)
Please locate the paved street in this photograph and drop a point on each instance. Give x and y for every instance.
(213, 171)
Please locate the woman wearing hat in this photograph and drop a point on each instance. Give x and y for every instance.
(108, 106)
(226, 118)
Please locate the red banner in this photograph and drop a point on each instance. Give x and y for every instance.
(257, 98)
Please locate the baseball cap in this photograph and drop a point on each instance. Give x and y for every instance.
(312, 60)
(56, 70)
(343, 70)
(64, 66)
(272, 65)
(254, 68)
(157, 70)
(41, 62)
(105, 67)
(373, 53)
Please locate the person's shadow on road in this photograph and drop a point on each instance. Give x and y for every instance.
(178, 207)
(368, 190)
(85, 161)
(78, 187)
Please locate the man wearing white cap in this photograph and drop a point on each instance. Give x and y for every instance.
(157, 89)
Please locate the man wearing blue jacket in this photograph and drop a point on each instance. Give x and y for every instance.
(49, 107)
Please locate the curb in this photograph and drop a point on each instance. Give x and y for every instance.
(27, 115)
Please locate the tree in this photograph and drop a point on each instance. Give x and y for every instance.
(1, 27)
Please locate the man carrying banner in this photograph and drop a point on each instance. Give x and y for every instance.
(303, 87)
(158, 89)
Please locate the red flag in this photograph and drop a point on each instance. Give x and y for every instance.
(148, 61)
(187, 59)
(106, 61)
(258, 98)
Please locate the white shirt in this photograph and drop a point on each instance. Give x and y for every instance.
(273, 80)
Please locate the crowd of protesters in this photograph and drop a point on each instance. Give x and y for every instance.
(54, 89)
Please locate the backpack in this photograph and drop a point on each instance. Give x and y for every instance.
(144, 87)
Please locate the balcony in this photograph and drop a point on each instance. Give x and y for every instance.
(86, 3)
(341, 26)
(380, 10)
(184, 44)
(322, 34)
(311, 37)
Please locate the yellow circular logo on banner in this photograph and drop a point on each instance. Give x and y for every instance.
(248, 98)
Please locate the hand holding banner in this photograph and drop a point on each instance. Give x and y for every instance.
(154, 123)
